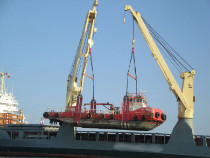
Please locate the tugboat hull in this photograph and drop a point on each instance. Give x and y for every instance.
(115, 124)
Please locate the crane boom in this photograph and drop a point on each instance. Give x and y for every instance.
(185, 96)
(86, 42)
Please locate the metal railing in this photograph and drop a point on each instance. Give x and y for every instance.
(155, 138)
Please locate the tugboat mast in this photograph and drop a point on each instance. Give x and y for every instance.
(2, 75)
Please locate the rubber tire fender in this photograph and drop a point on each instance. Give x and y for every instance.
(89, 116)
(56, 115)
(135, 118)
(143, 118)
(102, 116)
(163, 117)
(157, 114)
(111, 117)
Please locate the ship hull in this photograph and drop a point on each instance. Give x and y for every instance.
(58, 152)
(65, 144)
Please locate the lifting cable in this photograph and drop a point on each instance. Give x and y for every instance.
(92, 70)
(132, 57)
(91, 62)
(178, 68)
(179, 64)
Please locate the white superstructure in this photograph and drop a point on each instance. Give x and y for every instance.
(8, 104)
(9, 113)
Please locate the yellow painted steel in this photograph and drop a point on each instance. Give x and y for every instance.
(185, 96)
(73, 90)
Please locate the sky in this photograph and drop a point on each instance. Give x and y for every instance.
(39, 39)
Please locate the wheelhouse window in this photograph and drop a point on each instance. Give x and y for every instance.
(143, 101)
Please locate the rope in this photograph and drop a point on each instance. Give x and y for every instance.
(132, 57)
(128, 72)
(92, 72)
(135, 70)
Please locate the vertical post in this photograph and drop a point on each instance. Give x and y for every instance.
(93, 106)
(153, 138)
(97, 136)
(117, 137)
(204, 141)
(133, 137)
(2, 82)
(106, 135)
(125, 111)
(78, 109)
(164, 141)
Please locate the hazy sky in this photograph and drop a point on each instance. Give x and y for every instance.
(38, 41)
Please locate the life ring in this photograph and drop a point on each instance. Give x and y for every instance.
(135, 118)
(143, 118)
(157, 114)
(56, 115)
(111, 117)
(89, 116)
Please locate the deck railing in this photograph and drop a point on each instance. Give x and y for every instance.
(155, 138)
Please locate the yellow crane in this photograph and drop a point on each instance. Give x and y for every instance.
(183, 132)
(185, 96)
(82, 55)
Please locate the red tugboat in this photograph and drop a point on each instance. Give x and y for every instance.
(134, 114)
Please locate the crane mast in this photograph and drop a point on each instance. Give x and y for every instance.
(84, 48)
(185, 96)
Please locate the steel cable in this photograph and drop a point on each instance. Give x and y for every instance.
(169, 49)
